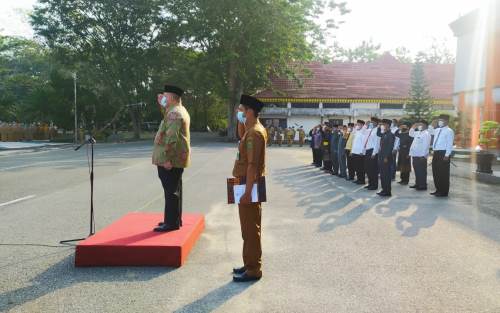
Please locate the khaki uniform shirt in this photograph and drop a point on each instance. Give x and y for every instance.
(172, 141)
(251, 150)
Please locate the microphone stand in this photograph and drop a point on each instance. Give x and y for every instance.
(90, 141)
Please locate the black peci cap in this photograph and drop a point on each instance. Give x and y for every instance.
(445, 117)
(251, 102)
(174, 89)
(386, 121)
(360, 122)
(350, 124)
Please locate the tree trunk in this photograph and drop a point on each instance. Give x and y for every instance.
(135, 123)
(235, 89)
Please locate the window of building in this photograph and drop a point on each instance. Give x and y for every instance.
(393, 106)
(336, 105)
(298, 105)
(276, 105)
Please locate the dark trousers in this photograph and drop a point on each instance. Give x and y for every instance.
(335, 161)
(359, 167)
(405, 177)
(441, 172)
(420, 169)
(318, 159)
(386, 174)
(171, 180)
(342, 163)
(394, 166)
(371, 169)
(327, 165)
(350, 166)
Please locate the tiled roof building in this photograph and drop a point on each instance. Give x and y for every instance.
(347, 91)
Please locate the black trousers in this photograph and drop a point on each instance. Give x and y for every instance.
(371, 169)
(350, 166)
(385, 173)
(359, 167)
(441, 172)
(335, 161)
(171, 180)
(318, 159)
(420, 169)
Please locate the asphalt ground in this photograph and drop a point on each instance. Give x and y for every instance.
(329, 245)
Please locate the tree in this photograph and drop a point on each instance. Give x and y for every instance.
(420, 105)
(403, 55)
(438, 53)
(245, 42)
(111, 44)
(367, 51)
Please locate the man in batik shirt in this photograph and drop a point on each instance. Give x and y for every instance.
(171, 154)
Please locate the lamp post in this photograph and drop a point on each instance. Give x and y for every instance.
(76, 115)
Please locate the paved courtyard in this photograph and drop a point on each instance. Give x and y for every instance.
(329, 245)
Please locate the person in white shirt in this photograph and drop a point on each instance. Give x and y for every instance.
(442, 148)
(371, 147)
(358, 152)
(419, 152)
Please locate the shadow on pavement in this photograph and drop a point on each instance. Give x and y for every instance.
(339, 203)
(215, 298)
(64, 274)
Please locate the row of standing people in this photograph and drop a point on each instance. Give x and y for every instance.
(279, 136)
(26, 132)
(366, 152)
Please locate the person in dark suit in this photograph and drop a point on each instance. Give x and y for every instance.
(385, 157)
(404, 160)
(334, 149)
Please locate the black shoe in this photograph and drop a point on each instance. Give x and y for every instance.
(403, 183)
(367, 186)
(384, 194)
(164, 228)
(349, 178)
(360, 182)
(413, 186)
(441, 195)
(372, 188)
(421, 189)
(434, 193)
(239, 270)
(244, 278)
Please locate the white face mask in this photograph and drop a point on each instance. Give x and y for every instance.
(382, 128)
(420, 128)
(350, 129)
(440, 123)
(358, 127)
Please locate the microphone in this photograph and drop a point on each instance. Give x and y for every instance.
(89, 140)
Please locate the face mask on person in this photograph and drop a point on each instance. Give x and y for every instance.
(441, 123)
(350, 129)
(241, 117)
(370, 125)
(164, 101)
(358, 127)
(420, 128)
(382, 128)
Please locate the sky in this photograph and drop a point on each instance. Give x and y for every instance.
(414, 24)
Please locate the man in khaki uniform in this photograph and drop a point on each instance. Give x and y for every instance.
(280, 135)
(302, 136)
(249, 166)
(171, 154)
(272, 132)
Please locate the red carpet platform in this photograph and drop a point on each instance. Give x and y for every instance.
(130, 241)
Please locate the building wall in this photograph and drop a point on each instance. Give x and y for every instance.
(470, 67)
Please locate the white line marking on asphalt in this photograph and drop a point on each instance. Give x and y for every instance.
(17, 200)
(40, 163)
